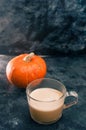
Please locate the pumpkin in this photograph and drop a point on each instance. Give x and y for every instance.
(24, 68)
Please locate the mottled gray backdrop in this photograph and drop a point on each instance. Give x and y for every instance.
(43, 26)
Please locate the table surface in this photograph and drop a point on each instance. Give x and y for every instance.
(14, 111)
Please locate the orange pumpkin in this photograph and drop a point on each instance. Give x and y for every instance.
(25, 68)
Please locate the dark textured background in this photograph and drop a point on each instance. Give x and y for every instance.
(43, 26)
(46, 27)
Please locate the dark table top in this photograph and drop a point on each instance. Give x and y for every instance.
(14, 112)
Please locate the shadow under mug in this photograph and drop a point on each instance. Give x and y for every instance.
(48, 111)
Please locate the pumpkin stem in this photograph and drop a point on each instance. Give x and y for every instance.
(28, 57)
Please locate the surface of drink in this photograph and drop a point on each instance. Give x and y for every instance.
(46, 105)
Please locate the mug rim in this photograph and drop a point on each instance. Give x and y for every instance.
(29, 86)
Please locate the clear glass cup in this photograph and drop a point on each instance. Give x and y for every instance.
(46, 98)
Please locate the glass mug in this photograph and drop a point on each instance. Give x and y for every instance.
(46, 98)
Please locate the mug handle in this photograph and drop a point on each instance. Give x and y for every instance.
(71, 94)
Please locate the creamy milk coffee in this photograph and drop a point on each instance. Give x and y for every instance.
(46, 105)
